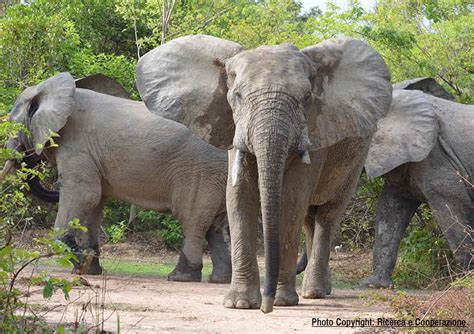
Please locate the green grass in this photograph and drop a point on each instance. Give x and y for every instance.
(120, 267)
(129, 267)
(162, 269)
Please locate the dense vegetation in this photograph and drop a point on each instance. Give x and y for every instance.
(43, 37)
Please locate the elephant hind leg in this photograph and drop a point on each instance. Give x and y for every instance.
(317, 278)
(189, 266)
(394, 212)
(219, 242)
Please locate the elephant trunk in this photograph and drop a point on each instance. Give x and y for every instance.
(270, 145)
(36, 188)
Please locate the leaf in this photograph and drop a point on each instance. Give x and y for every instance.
(47, 291)
(5, 251)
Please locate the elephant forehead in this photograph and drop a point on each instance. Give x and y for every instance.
(271, 60)
(260, 68)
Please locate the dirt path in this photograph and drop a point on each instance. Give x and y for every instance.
(154, 305)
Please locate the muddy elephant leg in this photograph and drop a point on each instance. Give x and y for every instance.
(219, 242)
(298, 186)
(189, 266)
(94, 222)
(80, 197)
(394, 212)
(242, 210)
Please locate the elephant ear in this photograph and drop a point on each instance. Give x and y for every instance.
(427, 85)
(352, 89)
(101, 83)
(45, 108)
(184, 80)
(407, 134)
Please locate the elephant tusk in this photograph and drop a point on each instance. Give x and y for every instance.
(305, 157)
(236, 166)
(9, 168)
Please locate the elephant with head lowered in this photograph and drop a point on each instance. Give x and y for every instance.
(424, 151)
(114, 147)
(299, 123)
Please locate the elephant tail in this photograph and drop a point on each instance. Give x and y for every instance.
(302, 262)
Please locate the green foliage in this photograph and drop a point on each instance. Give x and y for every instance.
(424, 256)
(14, 261)
(116, 232)
(425, 38)
(170, 230)
(116, 215)
(357, 226)
(466, 281)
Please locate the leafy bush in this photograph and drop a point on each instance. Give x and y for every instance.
(116, 215)
(15, 209)
(424, 257)
(116, 232)
(357, 227)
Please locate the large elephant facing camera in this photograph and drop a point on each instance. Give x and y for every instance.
(424, 149)
(114, 147)
(299, 123)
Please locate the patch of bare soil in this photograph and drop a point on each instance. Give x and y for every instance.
(152, 305)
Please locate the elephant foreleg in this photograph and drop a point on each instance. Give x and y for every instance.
(81, 200)
(394, 212)
(298, 186)
(242, 211)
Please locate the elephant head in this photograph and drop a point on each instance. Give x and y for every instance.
(410, 130)
(271, 102)
(58, 91)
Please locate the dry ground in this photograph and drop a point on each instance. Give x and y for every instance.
(152, 304)
(145, 302)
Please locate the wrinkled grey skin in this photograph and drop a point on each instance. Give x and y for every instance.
(300, 124)
(424, 151)
(113, 147)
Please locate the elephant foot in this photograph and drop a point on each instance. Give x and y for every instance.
(87, 264)
(247, 298)
(177, 276)
(186, 271)
(320, 291)
(220, 278)
(286, 296)
(94, 268)
(377, 282)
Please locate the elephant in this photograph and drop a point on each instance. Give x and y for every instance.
(96, 82)
(423, 150)
(298, 125)
(114, 147)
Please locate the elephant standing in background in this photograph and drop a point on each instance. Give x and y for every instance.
(424, 149)
(299, 123)
(114, 147)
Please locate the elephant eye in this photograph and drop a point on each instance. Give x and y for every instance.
(33, 108)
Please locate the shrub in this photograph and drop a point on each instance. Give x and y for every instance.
(424, 257)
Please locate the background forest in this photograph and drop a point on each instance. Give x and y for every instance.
(41, 38)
